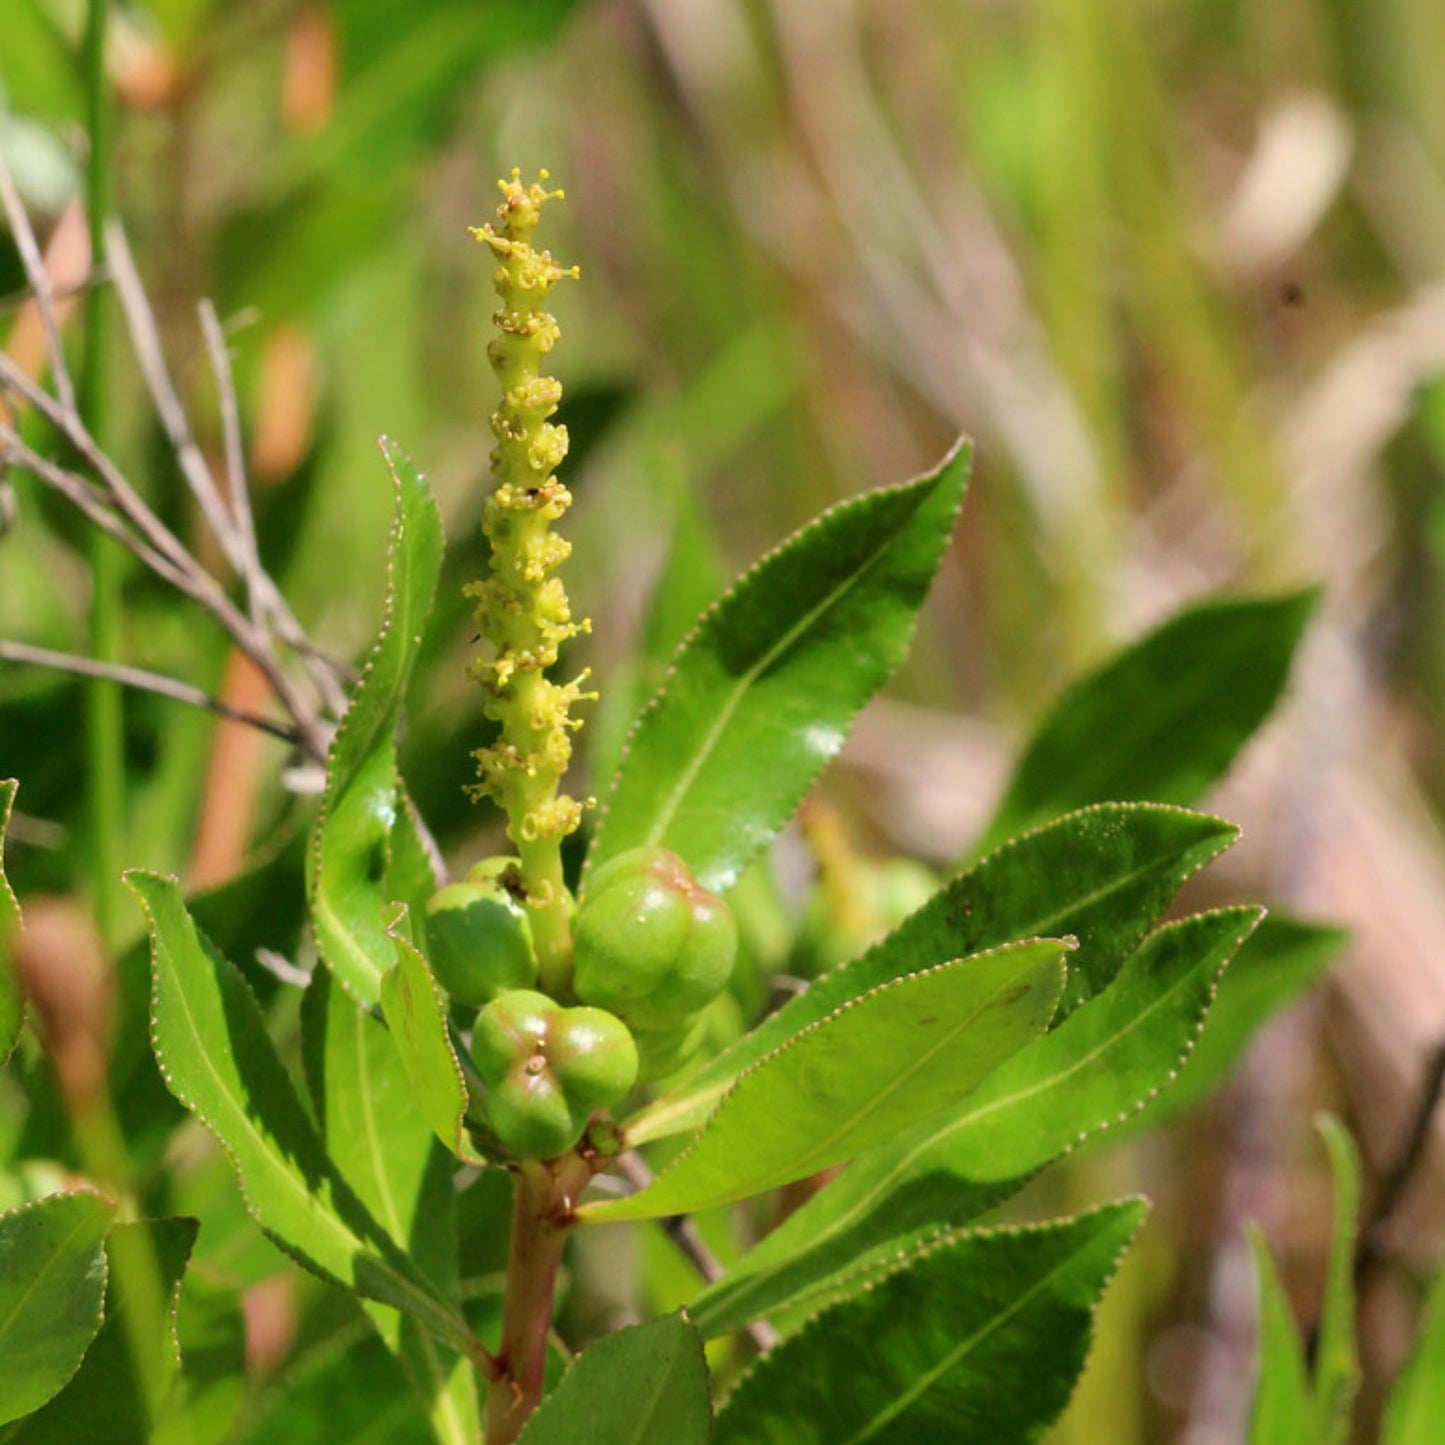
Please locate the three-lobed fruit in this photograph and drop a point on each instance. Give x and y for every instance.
(548, 1069)
(650, 943)
(479, 938)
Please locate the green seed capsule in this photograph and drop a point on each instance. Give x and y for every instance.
(650, 944)
(479, 939)
(548, 1069)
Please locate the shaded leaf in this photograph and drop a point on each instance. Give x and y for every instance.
(377, 1138)
(109, 1401)
(979, 1339)
(904, 1051)
(217, 1058)
(415, 1012)
(347, 1389)
(647, 1385)
(1093, 1069)
(1102, 876)
(761, 695)
(1163, 719)
(352, 868)
(12, 1007)
(52, 1291)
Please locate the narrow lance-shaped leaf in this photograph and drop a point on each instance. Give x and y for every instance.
(1101, 876)
(377, 1138)
(217, 1058)
(761, 695)
(12, 1009)
(411, 1001)
(646, 1385)
(1283, 1410)
(1337, 1364)
(52, 1290)
(350, 866)
(1163, 719)
(109, 1401)
(1417, 1402)
(979, 1339)
(1091, 1071)
(904, 1051)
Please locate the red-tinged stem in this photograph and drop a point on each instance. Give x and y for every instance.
(542, 1213)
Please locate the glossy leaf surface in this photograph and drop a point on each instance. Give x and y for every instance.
(761, 695)
(978, 1339)
(217, 1058)
(12, 1008)
(110, 1402)
(1091, 1070)
(906, 1050)
(52, 1290)
(353, 863)
(1163, 719)
(647, 1385)
(1102, 876)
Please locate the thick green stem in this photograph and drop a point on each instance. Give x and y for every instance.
(542, 1214)
(104, 723)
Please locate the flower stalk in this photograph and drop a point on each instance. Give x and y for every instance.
(523, 613)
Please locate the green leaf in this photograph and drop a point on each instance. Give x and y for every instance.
(377, 1138)
(1163, 719)
(904, 1051)
(213, 1049)
(1283, 1412)
(1417, 1401)
(1276, 963)
(346, 1391)
(1102, 876)
(1337, 1364)
(108, 1401)
(415, 1012)
(979, 1339)
(352, 869)
(761, 695)
(1092, 1070)
(52, 1290)
(12, 1005)
(646, 1385)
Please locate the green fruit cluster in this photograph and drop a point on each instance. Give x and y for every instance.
(548, 1068)
(655, 948)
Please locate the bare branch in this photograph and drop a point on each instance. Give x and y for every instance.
(38, 274)
(143, 680)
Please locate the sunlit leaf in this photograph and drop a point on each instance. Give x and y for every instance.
(12, 1008)
(1417, 1402)
(1336, 1361)
(980, 1339)
(1101, 876)
(350, 866)
(217, 1058)
(1283, 1411)
(905, 1051)
(1092, 1070)
(762, 693)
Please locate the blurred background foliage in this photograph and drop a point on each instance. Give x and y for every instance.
(1177, 265)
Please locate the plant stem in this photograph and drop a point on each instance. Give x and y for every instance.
(542, 1214)
(104, 721)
